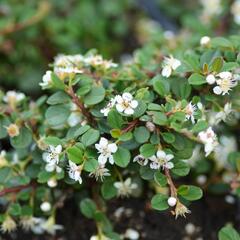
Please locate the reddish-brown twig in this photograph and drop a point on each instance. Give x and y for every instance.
(14, 189)
(130, 126)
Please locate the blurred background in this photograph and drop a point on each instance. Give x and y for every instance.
(32, 32)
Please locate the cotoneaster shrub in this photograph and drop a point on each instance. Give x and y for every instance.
(101, 129)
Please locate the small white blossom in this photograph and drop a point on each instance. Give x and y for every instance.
(27, 222)
(190, 111)
(126, 104)
(209, 139)
(205, 40)
(225, 82)
(210, 79)
(225, 114)
(169, 64)
(108, 108)
(161, 160)
(52, 182)
(190, 228)
(42, 225)
(131, 234)
(46, 206)
(13, 98)
(97, 60)
(100, 172)
(52, 158)
(74, 172)
(125, 188)
(172, 201)
(106, 150)
(46, 80)
(140, 159)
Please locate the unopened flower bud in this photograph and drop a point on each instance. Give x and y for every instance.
(205, 40)
(172, 201)
(45, 206)
(13, 130)
(150, 126)
(131, 234)
(52, 182)
(210, 79)
(190, 228)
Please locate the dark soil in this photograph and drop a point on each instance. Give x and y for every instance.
(208, 215)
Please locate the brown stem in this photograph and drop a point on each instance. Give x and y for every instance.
(80, 105)
(130, 126)
(173, 189)
(14, 189)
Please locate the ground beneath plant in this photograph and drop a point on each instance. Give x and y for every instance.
(208, 216)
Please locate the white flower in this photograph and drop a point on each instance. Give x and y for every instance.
(105, 149)
(52, 158)
(190, 112)
(27, 222)
(205, 40)
(235, 10)
(46, 80)
(12, 98)
(125, 188)
(161, 160)
(131, 234)
(41, 225)
(225, 114)
(225, 83)
(126, 104)
(190, 228)
(141, 160)
(46, 206)
(172, 201)
(8, 225)
(210, 79)
(169, 64)
(74, 172)
(150, 126)
(97, 60)
(108, 108)
(209, 139)
(100, 172)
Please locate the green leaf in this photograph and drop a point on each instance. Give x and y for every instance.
(115, 119)
(51, 140)
(159, 118)
(141, 134)
(180, 168)
(4, 122)
(122, 157)
(90, 165)
(228, 233)
(221, 42)
(88, 207)
(57, 115)
(23, 140)
(189, 192)
(217, 64)
(15, 209)
(44, 176)
(57, 82)
(126, 137)
(147, 150)
(200, 126)
(108, 190)
(5, 172)
(81, 130)
(196, 79)
(58, 98)
(96, 95)
(90, 137)
(75, 154)
(160, 179)
(168, 137)
(146, 173)
(161, 86)
(159, 202)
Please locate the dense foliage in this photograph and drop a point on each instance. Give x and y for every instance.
(108, 128)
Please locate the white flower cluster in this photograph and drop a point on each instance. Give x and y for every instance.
(124, 104)
(158, 161)
(225, 82)
(169, 65)
(209, 139)
(65, 65)
(13, 98)
(235, 10)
